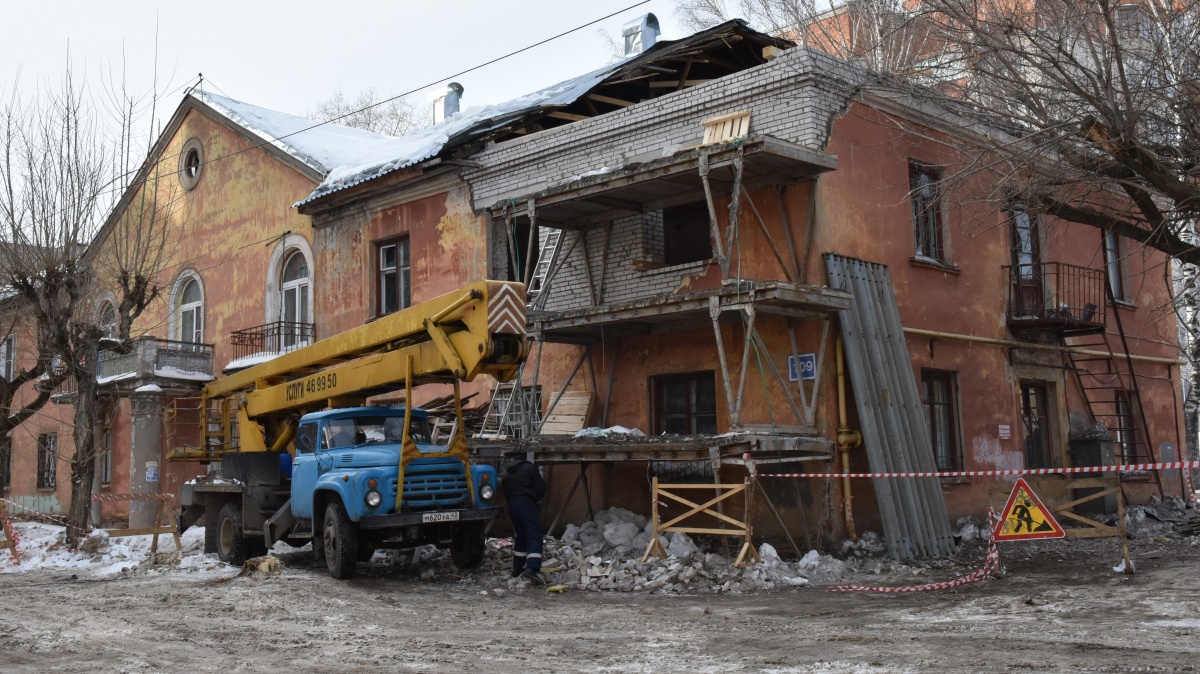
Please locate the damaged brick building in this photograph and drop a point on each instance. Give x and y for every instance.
(699, 224)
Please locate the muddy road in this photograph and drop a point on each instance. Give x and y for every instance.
(1058, 609)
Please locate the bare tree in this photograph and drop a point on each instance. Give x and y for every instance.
(61, 168)
(395, 117)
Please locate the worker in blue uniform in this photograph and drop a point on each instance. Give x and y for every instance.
(524, 490)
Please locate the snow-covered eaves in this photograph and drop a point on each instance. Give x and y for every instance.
(319, 146)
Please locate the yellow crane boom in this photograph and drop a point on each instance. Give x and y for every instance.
(477, 329)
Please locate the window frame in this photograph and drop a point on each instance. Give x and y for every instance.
(301, 288)
(1042, 388)
(105, 466)
(6, 469)
(927, 213)
(8, 357)
(196, 308)
(402, 269)
(1114, 266)
(658, 414)
(950, 406)
(47, 475)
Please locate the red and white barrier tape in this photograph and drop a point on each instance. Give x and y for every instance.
(1172, 465)
(132, 497)
(33, 514)
(990, 564)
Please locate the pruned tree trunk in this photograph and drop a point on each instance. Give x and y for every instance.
(83, 461)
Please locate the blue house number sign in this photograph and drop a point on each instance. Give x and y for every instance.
(802, 367)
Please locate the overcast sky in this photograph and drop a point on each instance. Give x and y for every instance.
(289, 55)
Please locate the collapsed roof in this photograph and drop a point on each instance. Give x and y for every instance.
(666, 66)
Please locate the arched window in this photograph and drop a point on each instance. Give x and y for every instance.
(191, 313)
(108, 319)
(294, 289)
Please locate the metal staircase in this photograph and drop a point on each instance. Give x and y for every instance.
(1109, 385)
(513, 412)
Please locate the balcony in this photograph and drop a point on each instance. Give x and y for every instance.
(264, 341)
(156, 360)
(1056, 297)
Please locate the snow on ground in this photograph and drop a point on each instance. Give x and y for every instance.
(43, 546)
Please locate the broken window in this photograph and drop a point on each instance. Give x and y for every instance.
(1035, 421)
(926, 212)
(685, 404)
(686, 234)
(393, 276)
(47, 460)
(938, 399)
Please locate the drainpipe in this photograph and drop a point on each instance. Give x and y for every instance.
(846, 440)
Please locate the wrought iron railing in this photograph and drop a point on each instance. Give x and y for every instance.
(277, 337)
(149, 356)
(1055, 294)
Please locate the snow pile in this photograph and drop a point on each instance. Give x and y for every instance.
(43, 546)
(597, 432)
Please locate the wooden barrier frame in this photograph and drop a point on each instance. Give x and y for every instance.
(1094, 529)
(723, 491)
(10, 539)
(156, 530)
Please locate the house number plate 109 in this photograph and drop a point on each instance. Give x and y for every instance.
(440, 517)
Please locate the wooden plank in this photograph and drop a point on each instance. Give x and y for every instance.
(1092, 533)
(675, 84)
(702, 530)
(610, 100)
(569, 116)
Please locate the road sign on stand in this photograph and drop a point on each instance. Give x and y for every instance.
(1024, 518)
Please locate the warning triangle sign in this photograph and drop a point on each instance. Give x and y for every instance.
(1025, 518)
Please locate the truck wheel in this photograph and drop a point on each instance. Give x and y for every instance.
(340, 541)
(232, 546)
(467, 546)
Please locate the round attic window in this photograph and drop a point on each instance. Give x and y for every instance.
(191, 164)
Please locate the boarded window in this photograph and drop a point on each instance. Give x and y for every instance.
(686, 234)
(685, 404)
(47, 460)
(926, 212)
(938, 399)
(393, 276)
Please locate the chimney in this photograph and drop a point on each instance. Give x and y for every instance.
(446, 104)
(640, 34)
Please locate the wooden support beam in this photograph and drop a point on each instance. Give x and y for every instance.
(787, 230)
(714, 312)
(677, 84)
(808, 232)
(610, 100)
(735, 206)
(749, 328)
(713, 225)
(569, 116)
(604, 261)
(582, 357)
(531, 210)
(767, 233)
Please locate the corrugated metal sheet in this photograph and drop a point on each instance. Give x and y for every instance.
(895, 436)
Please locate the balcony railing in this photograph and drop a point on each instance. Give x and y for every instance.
(1055, 296)
(272, 338)
(162, 358)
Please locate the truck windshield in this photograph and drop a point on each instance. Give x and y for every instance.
(367, 430)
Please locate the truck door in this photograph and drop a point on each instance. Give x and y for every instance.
(305, 469)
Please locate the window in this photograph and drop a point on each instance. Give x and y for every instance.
(191, 313)
(926, 212)
(937, 397)
(1026, 249)
(108, 319)
(6, 466)
(392, 273)
(1134, 21)
(685, 404)
(8, 357)
(47, 460)
(686, 234)
(306, 438)
(106, 458)
(294, 310)
(1125, 431)
(1035, 421)
(1113, 266)
(191, 163)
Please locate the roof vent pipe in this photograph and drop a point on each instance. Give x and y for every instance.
(640, 34)
(446, 104)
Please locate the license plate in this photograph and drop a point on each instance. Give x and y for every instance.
(440, 517)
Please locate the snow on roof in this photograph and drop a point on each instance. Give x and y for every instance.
(321, 147)
(391, 154)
